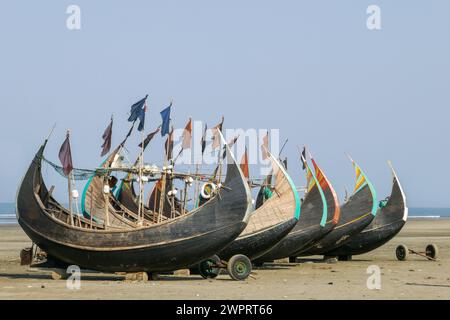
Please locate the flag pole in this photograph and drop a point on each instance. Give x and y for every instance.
(69, 184)
(197, 170)
(106, 183)
(163, 182)
(141, 165)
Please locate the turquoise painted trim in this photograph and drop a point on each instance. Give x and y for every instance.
(83, 196)
(294, 190)
(372, 191)
(119, 190)
(324, 201)
(83, 199)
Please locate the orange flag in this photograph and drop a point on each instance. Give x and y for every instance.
(187, 135)
(244, 165)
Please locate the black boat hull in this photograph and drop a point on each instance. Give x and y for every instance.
(386, 225)
(164, 247)
(168, 257)
(256, 245)
(309, 228)
(356, 215)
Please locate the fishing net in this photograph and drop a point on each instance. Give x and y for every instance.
(77, 174)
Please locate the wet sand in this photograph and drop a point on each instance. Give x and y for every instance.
(416, 278)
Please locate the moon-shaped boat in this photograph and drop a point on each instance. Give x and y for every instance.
(165, 246)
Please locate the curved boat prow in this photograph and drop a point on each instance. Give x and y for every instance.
(165, 246)
(356, 214)
(391, 217)
(398, 189)
(272, 221)
(310, 227)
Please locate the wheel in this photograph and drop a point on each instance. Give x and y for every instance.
(239, 267)
(432, 251)
(402, 252)
(59, 274)
(209, 269)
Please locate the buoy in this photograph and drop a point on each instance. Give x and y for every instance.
(75, 194)
(206, 194)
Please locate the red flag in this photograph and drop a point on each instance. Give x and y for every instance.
(65, 156)
(187, 136)
(107, 138)
(265, 147)
(244, 165)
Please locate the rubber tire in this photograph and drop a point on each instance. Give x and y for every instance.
(402, 252)
(432, 251)
(206, 270)
(239, 267)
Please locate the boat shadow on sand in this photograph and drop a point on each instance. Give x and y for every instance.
(104, 277)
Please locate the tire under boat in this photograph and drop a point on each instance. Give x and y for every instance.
(271, 222)
(162, 247)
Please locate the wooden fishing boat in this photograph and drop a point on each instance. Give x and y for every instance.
(331, 198)
(390, 219)
(165, 246)
(310, 227)
(272, 221)
(356, 214)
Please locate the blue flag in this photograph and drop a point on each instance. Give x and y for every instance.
(138, 112)
(165, 115)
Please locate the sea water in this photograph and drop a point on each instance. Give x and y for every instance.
(8, 213)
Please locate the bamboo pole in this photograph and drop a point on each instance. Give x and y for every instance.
(141, 191)
(106, 195)
(164, 178)
(90, 215)
(69, 181)
(183, 209)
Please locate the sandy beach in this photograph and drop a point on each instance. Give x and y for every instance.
(416, 278)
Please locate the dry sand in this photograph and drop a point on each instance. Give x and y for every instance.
(416, 278)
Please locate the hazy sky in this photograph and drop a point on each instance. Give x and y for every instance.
(310, 68)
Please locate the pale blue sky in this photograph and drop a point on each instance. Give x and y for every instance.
(310, 68)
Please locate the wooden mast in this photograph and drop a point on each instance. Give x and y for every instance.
(69, 183)
(106, 195)
(141, 191)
